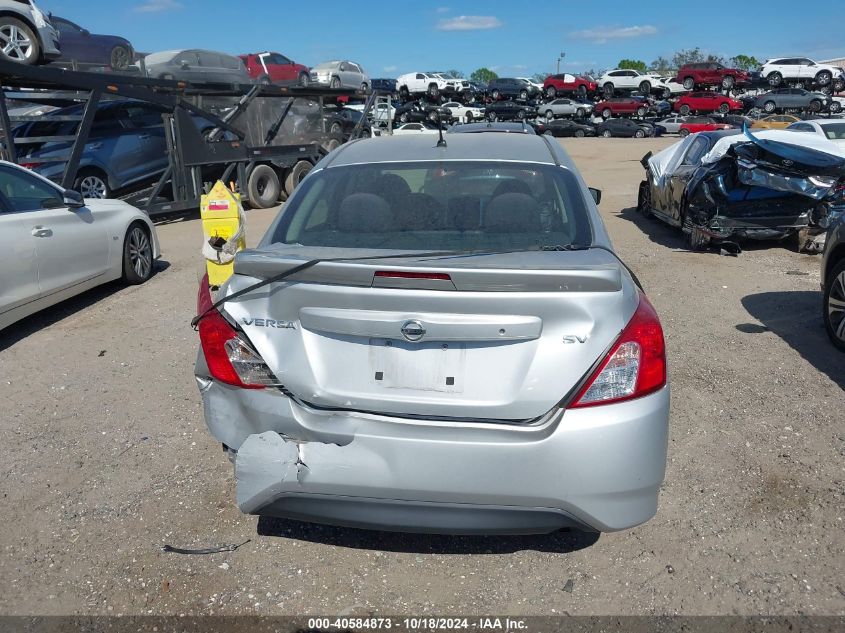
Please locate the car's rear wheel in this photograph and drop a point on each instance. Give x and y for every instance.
(769, 106)
(835, 107)
(684, 110)
(641, 112)
(520, 114)
(523, 95)
(580, 113)
(120, 58)
(838, 85)
(683, 132)
(492, 117)
(775, 78)
(137, 254)
(608, 90)
(364, 87)
(644, 198)
(639, 134)
(548, 133)
(92, 183)
(296, 175)
(551, 92)
(18, 43)
(689, 83)
(578, 134)
(433, 91)
(728, 82)
(263, 187)
(335, 83)
(303, 79)
(645, 87)
(468, 117)
(404, 93)
(606, 133)
(582, 91)
(824, 77)
(724, 108)
(666, 93)
(834, 305)
(605, 114)
(815, 105)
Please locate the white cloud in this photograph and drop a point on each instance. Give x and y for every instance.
(469, 23)
(390, 69)
(443, 9)
(600, 35)
(158, 6)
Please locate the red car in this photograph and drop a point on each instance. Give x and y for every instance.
(275, 68)
(710, 74)
(700, 124)
(568, 84)
(706, 102)
(620, 105)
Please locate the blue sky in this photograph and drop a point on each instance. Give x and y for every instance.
(513, 38)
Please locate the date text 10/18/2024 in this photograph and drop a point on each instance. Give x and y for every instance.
(427, 623)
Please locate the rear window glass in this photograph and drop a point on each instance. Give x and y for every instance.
(446, 205)
(834, 131)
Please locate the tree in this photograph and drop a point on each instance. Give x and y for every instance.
(632, 64)
(745, 62)
(483, 75)
(687, 56)
(454, 73)
(539, 77)
(660, 65)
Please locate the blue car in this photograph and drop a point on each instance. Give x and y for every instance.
(83, 47)
(126, 147)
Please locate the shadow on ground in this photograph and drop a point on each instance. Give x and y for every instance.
(796, 317)
(561, 542)
(657, 231)
(28, 325)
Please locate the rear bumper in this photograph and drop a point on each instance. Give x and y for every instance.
(597, 468)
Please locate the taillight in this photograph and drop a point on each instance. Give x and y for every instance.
(230, 359)
(634, 367)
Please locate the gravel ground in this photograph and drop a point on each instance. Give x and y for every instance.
(107, 458)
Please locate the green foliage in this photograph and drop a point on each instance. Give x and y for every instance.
(660, 65)
(745, 62)
(483, 74)
(633, 64)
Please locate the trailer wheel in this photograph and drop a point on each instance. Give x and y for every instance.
(263, 187)
(296, 174)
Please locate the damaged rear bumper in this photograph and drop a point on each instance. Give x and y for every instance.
(597, 468)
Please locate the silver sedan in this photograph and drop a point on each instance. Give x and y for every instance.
(56, 245)
(564, 107)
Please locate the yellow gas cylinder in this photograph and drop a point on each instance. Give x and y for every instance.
(222, 217)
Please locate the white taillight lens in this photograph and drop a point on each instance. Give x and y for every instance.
(248, 365)
(618, 379)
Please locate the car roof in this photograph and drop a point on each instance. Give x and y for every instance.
(499, 126)
(496, 147)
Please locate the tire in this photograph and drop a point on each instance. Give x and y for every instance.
(20, 39)
(606, 113)
(684, 110)
(335, 129)
(491, 116)
(551, 92)
(728, 82)
(606, 134)
(433, 91)
(641, 112)
(548, 133)
(549, 115)
(835, 107)
(689, 83)
(520, 115)
(608, 90)
(335, 83)
(724, 108)
(120, 58)
(92, 183)
(403, 93)
(833, 315)
(579, 134)
(580, 113)
(296, 174)
(683, 132)
(364, 87)
(263, 187)
(838, 85)
(775, 79)
(824, 77)
(666, 94)
(403, 118)
(304, 80)
(582, 91)
(264, 80)
(639, 134)
(137, 254)
(644, 199)
(495, 94)
(523, 95)
(468, 117)
(815, 106)
(769, 107)
(645, 87)
(331, 145)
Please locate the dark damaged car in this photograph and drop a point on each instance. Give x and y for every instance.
(724, 187)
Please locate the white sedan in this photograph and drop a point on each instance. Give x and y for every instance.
(831, 129)
(55, 245)
(464, 113)
(565, 107)
(673, 124)
(414, 128)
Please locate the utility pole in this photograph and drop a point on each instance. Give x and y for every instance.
(562, 55)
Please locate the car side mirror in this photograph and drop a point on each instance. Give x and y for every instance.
(596, 193)
(73, 199)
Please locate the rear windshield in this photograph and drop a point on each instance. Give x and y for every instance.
(834, 131)
(437, 206)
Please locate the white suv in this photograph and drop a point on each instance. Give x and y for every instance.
(627, 79)
(802, 69)
(431, 84)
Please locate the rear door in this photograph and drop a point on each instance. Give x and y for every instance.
(682, 174)
(145, 131)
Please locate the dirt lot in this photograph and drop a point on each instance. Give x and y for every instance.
(106, 458)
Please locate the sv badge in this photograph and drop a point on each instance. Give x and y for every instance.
(574, 338)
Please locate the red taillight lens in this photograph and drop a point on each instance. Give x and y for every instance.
(221, 345)
(634, 367)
